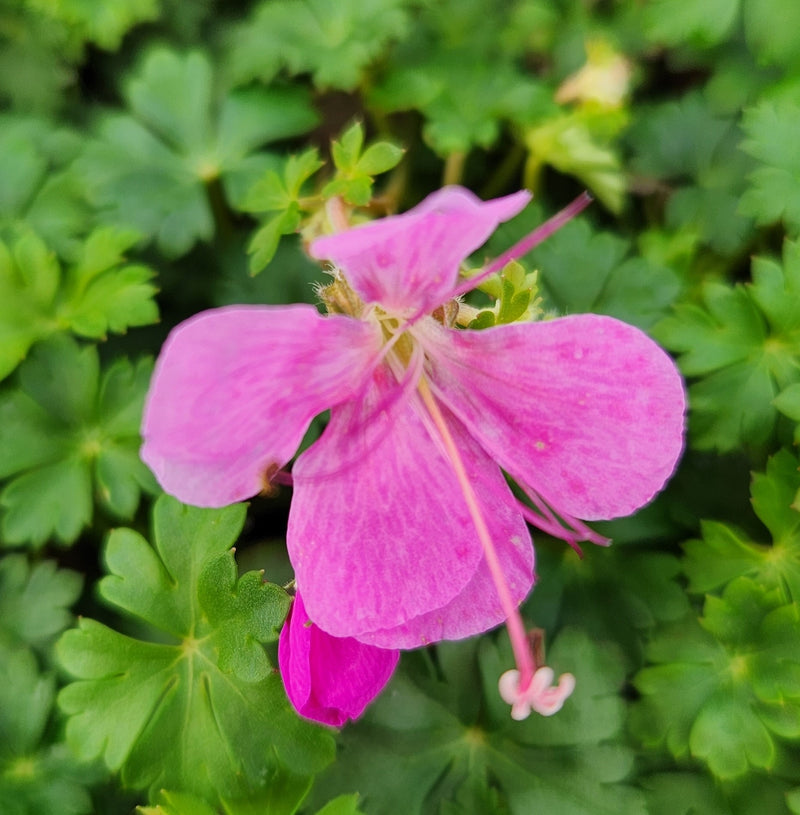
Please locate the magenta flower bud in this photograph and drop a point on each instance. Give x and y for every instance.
(329, 679)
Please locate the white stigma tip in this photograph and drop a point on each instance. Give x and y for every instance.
(540, 695)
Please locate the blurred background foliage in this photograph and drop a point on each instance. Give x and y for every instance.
(159, 157)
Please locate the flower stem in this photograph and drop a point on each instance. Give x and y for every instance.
(514, 624)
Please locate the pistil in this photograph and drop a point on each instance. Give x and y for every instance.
(514, 624)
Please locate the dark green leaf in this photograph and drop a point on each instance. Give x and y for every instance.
(36, 777)
(35, 600)
(150, 169)
(773, 195)
(424, 740)
(68, 434)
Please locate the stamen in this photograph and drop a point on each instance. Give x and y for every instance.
(516, 628)
(540, 234)
(562, 525)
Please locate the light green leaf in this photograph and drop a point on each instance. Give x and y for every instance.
(97, 294)
(208, 691)
(334, 40)
(771, 28)
(675, 22)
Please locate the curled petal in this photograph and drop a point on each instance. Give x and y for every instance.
(380, 535)
(235, 389)
(411, 261)
(586, 410)
(329, 679)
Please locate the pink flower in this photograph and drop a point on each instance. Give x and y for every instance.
(329, 679)
(402, 529)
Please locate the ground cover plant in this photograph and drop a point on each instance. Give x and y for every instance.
(252, 484)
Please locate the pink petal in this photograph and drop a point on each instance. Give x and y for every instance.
(411, 261)
(379, 533)
(234, 390)
(586, 410)
(329, 679)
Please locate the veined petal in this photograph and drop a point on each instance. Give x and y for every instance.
(476, 609)
(411, 261)
(379, 532)
(329, 679)
(235, 389)
(586, 410)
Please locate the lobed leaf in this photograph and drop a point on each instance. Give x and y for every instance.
(35, 600)
(724, 689)
(70, 435)
(37, 776)
(152, 168)
(209, 691)
(743, 345)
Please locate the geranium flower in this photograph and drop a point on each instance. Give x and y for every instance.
(402, 528)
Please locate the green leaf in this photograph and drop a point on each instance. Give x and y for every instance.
(432, 741)
(152, 169)
(264, 243)
(725, 553)
(771, 30)
(701, 163)
(36, 184)
(355, 169)
(465, 96)
(683, 793)
(283, 795)
(35, 600)
(100, 292)
(177, 803)
(723, 690)
(342, 805)
(202, 712)
(103, 293)
(278, 191)
(36, 777)
(68, 434)
(788, 403)
(104, 22)
(743, 345)
(676, 22)
(773, 195)
(334, 40)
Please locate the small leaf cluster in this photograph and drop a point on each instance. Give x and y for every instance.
(100, 292)
(281, 193)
